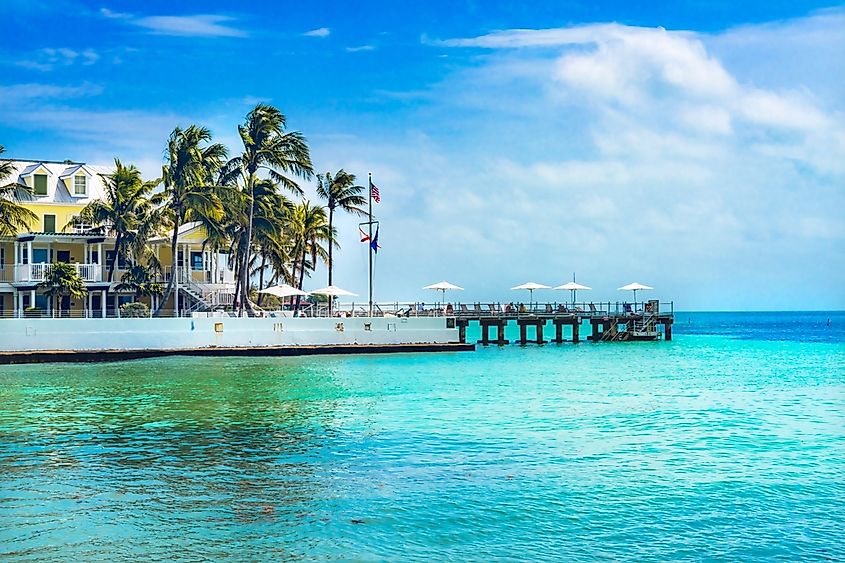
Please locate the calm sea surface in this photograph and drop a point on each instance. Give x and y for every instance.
(727, 443)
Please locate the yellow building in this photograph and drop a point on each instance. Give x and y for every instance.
(59, 191)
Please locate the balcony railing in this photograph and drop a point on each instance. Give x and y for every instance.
(38, 272)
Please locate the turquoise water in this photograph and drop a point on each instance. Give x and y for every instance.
(727, 443)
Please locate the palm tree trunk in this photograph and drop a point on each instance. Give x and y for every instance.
(301, 276)
(331, 242)
(236, 247)
(172, 280)
(261, 277)
(245, 272)
(113, 260)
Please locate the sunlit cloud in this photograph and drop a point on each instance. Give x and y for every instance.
(198, 25)
(319, 32)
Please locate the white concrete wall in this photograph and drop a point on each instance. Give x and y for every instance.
(19, 335)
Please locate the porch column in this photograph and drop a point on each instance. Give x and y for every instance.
(17, 252)
(19, 297)
(103, 302)
(32, 298)
(85, 259)
(100, 261)
(29, 252)
(90, 304)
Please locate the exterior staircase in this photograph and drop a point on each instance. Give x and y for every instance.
(203, 300)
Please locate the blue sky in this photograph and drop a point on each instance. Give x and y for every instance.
(698, 147)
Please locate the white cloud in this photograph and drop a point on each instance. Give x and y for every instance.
(16, 93)
(319, 32)
(360, 48)
(49, 58)
(620, 153)
(198, 25)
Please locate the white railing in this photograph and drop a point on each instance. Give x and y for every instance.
(38, 272)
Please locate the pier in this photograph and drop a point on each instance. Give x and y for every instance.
(607, 322)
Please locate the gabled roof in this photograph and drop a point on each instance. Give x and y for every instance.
(33, 167)
(73, 169)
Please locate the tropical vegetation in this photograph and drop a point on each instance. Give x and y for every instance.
(61, 280)
(340, 192)
(250, 206)
(126, 213)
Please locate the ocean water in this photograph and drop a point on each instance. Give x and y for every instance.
(727, 443)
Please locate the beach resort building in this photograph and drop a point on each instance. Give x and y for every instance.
(58, 193)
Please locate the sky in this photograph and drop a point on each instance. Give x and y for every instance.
(697, 147)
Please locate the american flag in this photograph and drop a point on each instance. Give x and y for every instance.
(374, 193)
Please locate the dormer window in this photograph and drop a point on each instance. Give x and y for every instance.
(80, 185)
(39, 184)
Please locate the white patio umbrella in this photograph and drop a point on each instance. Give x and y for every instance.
(635, 287)
(531, 286)
(573, 287)
(283, 291)
(443, 287)
(331, 292)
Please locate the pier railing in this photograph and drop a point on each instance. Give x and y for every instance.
(500, 309)
(588, 309)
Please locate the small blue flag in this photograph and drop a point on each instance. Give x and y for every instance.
(374, 243)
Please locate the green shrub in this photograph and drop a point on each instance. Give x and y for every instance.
(135, 310)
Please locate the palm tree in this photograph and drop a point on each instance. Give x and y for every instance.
(126, 212)
(268, 147)
(339, 191)
(189, 192)
(309, 231)
(271, 214)
(140, 280)
(13, 217)
(62, 279)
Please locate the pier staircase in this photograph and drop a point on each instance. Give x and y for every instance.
(613, 334)
(644, 328)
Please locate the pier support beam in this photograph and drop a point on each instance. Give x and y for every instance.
(575, 329)
(501, 340)
(667, 331)
(487, 324)
(538, 328)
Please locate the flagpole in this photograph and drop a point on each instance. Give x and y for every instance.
(370, 228)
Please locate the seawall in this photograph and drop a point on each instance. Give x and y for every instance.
(29, 340)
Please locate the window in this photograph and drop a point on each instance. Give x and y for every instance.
(196, 262)
(49, 223)
(40, 256)
(80, 186)
(40, 182)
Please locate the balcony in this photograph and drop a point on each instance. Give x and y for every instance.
(38, 272)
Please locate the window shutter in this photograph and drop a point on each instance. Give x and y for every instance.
(40, 181)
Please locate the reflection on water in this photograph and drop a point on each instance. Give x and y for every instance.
(703, 447)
